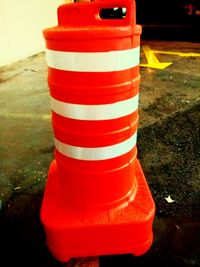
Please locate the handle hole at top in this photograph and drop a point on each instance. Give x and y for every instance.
(113, 13)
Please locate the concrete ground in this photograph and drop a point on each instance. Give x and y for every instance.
(168, 149)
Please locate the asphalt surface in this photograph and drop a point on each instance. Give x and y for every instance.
(168, 149)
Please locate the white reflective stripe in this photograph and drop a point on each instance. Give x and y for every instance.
(93, 61)
(97, 153)
(95, 112)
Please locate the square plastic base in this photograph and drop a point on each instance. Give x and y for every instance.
(71, 232)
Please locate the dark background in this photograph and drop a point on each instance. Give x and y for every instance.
(169, 20)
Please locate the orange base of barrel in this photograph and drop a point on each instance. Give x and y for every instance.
(71, 232)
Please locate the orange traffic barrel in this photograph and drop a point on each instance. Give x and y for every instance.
(96, 187)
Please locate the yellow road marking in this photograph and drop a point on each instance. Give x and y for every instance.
(177, 53)
(152, 61)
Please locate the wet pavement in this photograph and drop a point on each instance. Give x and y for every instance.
(168, 149)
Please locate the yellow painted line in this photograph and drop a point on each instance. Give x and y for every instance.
(177, 53)
(152, 61)
(25, 116)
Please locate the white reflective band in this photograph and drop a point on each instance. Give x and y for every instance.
(95, 112)
(97, 153)
(93, 61)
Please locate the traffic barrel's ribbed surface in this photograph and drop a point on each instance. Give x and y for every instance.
(93, 76)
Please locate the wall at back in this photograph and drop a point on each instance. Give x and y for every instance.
(21, 25)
